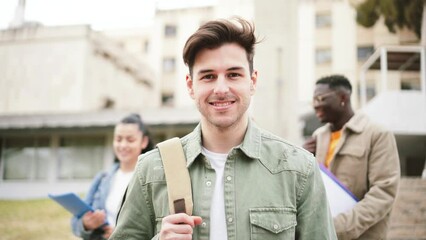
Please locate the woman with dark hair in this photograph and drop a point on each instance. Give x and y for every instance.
(131, 138)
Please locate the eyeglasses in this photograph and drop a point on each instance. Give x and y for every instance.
(320, 98)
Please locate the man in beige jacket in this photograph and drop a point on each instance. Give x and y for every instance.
(362, 155)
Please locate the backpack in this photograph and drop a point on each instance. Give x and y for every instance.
(177, 176)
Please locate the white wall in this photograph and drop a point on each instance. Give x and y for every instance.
(306, 52)
(56, 69)
(41, 70)
(275, 102)
(242, 8)
(104, 79)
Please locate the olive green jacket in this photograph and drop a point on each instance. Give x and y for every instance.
(273, 190)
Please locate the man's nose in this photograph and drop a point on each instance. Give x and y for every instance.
(221, 85)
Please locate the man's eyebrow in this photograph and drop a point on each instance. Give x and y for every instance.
(202, 71)
(235, 68)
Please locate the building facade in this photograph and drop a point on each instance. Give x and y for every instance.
(51, 69)
(59, 84)
(62, 90)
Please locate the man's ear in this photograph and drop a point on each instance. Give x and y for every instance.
(253, 82)
(344, 97)
(189, 85)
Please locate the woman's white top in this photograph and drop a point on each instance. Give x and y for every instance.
(116, 192)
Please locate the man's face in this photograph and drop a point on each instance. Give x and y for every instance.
(221, 85)
(326, 103)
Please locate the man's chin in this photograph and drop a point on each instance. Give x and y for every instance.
(222, 122)
(322, 119)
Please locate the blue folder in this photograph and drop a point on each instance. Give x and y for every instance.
(73, 203)
(340, 198)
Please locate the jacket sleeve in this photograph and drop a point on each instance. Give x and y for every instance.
(77, 223)
(383, 178)
(136, 218)
(314, 220)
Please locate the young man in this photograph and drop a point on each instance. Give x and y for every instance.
(246, 182)
(362, 155)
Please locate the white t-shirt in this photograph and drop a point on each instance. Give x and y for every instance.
(116, 192)
(217, 209)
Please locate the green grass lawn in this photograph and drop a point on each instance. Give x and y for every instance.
(34, 219)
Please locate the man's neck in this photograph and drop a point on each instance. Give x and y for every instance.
(222, 140)
(338, 125)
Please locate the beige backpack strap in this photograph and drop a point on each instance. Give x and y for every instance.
(177, 176)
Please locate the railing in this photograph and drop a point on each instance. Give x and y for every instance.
(124, 60)
(382, 54)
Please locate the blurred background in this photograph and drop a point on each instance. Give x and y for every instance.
(70, 70)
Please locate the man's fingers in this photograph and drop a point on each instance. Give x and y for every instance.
(182, 218)
(177, 218)
(197, 220)
(180, 224)
(180, 229)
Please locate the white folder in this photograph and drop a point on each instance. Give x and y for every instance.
(340, 199)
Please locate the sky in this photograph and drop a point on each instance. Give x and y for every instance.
(100, 14)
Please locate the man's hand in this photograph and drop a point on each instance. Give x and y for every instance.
(93, 220)
(310, 145)
(178, 226)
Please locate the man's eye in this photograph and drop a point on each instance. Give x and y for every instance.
(208, 77)
(233, 75)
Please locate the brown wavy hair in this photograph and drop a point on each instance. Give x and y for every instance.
(214, 34)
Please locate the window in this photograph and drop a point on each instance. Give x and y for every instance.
(170, 30)
(167, 99)
(25, 158)
(80, 157)
(323, 20)
(169, 65)
(364, 52)
(323, 56)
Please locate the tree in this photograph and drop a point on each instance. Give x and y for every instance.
(396, 13)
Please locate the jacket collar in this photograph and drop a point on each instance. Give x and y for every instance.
(192, 143)
(357, 123)
(252, 140)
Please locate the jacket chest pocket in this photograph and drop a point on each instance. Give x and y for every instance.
(272, 223)
(350, 158)
(352, 151)
(352, 166)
